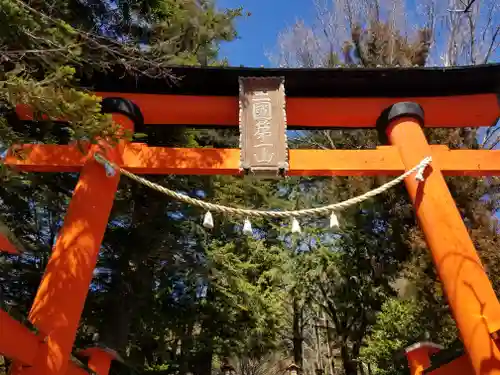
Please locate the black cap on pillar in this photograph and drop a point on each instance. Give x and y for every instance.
(124, 107)
(401, 109)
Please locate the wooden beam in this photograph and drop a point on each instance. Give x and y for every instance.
(141, 159)
(209, 111)
(468, 290)
(99, 359)
(467, 162)
(17, 342)
(419, 356)
(460, 365)
(46, 158)
(74, 369)
(60, 298)
(446, 111)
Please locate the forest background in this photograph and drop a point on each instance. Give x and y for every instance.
(173, 298)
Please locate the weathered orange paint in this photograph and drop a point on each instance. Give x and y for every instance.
(17, 342)
(142, 159)
(100, 363)
(419, 357)
(418, 361)
(61, 296)
(469, 292)
(99, 360)
(459, 366)
(75, 369)
(59, 302)
(7, 246)
(47, 158)
(474, 163)
(445, 111)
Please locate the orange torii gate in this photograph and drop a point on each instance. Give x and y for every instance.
(397, 101)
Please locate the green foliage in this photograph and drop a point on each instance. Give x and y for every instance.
(397, 327)
(44, 45)
(171, 297)
(51, 98)
(36, 70)
(157, 369)
(380, 244)
(245, 278)
(145, 304)
(187, 30)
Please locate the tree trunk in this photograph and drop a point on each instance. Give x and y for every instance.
(133, 278)
(203, 365)
(186, 347)
(349, 365)
(319, 354)
(298, 352)
(125, 302)
(331, 360)
(361, 368)
(118, 315)
(203, 362)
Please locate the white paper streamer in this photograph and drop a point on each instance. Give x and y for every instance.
(247, 227)
(208, 220)
(334, 221)
(295, 226)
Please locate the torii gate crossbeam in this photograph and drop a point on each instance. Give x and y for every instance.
(59, 302)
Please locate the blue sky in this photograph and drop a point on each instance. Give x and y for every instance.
(259, 31)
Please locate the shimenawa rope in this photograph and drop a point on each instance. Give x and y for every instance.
(325, 210)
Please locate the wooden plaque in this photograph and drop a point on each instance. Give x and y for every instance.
(263, 143)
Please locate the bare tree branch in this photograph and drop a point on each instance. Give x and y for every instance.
(457, 38)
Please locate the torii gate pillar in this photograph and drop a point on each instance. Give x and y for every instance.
(469, 292)
(61, 296)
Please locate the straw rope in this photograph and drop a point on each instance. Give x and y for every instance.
(242, 212)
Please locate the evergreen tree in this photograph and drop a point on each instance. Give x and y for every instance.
(381, 237)
(146, 295)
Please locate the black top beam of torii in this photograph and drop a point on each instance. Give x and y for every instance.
(305, 82)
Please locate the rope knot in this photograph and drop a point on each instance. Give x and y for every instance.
(108, 166)
(419, 176)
